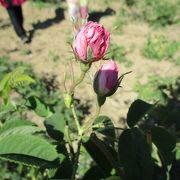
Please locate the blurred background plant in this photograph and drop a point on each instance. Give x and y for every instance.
(159, 47)
(118, 53)
(46, 89)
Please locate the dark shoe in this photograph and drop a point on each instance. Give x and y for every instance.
(25, 39)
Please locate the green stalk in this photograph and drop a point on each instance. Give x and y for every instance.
(76, 120)
(72, 88)
(84, 70)
(76, 161)
(89, 124)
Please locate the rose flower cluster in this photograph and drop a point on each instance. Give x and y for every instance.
(91, 44)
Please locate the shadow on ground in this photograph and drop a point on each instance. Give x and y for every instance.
(96, 16)
(59, 16)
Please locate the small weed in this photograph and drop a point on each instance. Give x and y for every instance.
(121, 20)
(159, 47)
(53, 56)
(160, 13)
(155, 89)
(40, 4)
(118, 53)
(25, 52)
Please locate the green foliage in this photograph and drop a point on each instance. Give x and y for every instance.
(118, 53)
(104, 125)
(165, 143)
(38, 106)
(121, 20)
(14, 124)
(55, 126)
(34, 151)
(137, 110)
(103, 155)
(156, 13)
(13, 80)
(135, 155)
(158, 47)
(45, 3)
(4, 109)
(17, 172)
(113, 178)
(154, 89)
(20, 130)
(178, 151)
(25, 52)
(53, 56)
(18, 144)
(160, 13)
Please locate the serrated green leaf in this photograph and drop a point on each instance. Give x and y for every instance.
(28, 160)
(94, 173)
(20, 130)
(4, 81)
(12, 80)
(136, 111)
(134, 154)
(103, 155)
(177, 151)
(55, 126)
(6, 109)
(165, 142)
(21, 79)
(38, 106)
(104, 125)
(113, 178)
(14, 123)
(27, 145)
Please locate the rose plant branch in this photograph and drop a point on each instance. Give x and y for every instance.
(90, 45)
(76, 160)
(76, 120)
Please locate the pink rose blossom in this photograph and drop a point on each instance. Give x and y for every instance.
(93, 40)
(106, 79)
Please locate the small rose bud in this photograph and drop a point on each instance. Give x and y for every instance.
(106, 79)
(91, 42)
(84, 12)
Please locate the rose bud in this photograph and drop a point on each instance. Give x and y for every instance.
(84, 12)
(106, 79)
(91, 42)
(83, 9)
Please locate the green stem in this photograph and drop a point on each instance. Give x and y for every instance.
(91, 121)
(75, 166)
(72, 88)
(76, 120)
(84, 69)
(69, 141)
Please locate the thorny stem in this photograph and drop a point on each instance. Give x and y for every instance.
(84, 69)
(69, 142)
(90, 122)
(75, 84)
(76, 120)
(75, 166)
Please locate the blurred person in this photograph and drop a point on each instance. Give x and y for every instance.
(14, 10)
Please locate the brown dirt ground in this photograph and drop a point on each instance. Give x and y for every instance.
(53, 38)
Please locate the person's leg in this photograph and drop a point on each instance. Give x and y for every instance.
(20, 15)
(15, 14)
